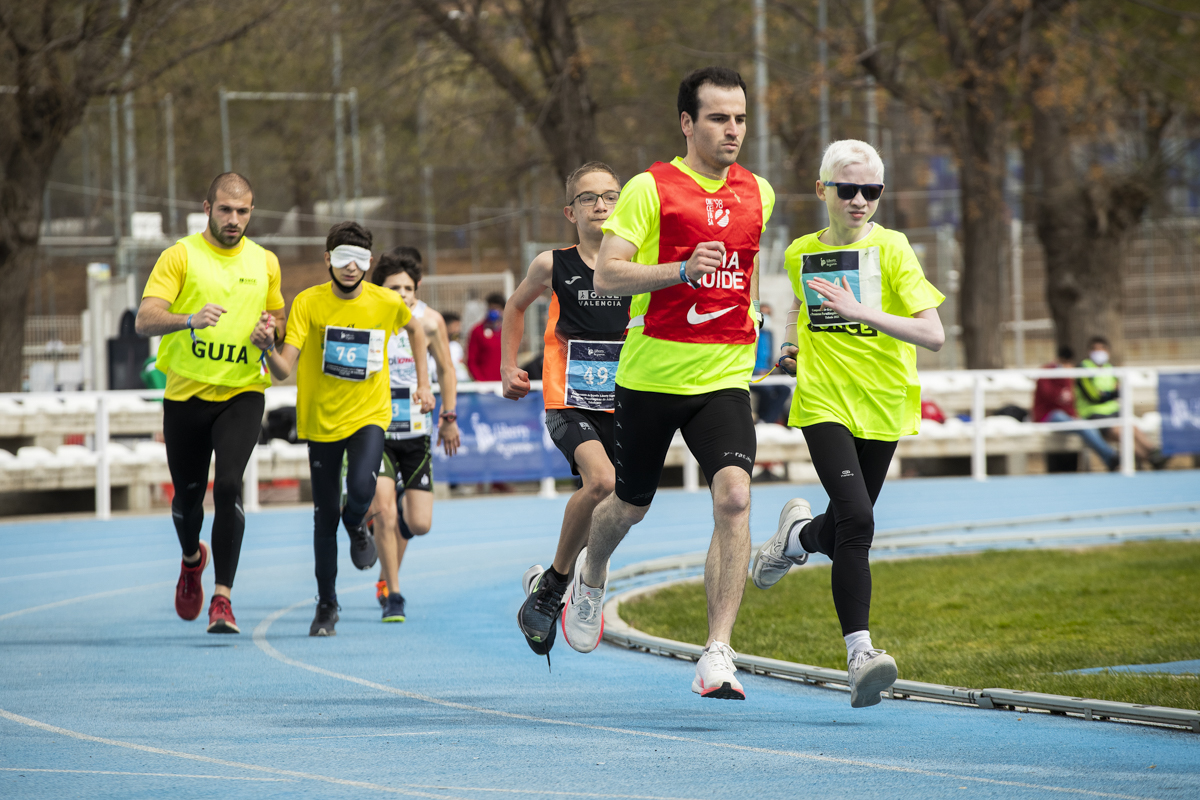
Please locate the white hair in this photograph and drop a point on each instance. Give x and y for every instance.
(843, 153)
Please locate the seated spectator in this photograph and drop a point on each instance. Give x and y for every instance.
(772, 400)
(1098, 398)
(483, 346)
(1054, 401)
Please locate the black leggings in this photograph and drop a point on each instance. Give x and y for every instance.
(852, 471)
(364, 452)
(193, 429)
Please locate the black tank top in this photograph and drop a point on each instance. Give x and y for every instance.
(582, 314)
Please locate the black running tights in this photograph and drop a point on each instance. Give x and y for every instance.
(193, 430)
(364, 452)
(852, 471)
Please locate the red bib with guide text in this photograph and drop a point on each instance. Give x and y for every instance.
(717, 310)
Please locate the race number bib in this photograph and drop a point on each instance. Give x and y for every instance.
(406, 413)
(353, 354)
(861, 270)
(592, 374)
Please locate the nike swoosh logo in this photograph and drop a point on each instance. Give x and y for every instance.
(568, 283)
(695, 319)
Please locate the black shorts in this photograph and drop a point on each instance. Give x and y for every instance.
(571, 427)
(717, 427)
(409, 463)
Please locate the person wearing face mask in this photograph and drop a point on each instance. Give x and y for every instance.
(861, 305)
(1098, 397)
(336, 335)
(483, 346)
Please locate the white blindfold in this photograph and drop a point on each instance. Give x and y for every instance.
(344, 255)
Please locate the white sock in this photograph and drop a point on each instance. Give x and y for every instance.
(793, 548)
(859, 640)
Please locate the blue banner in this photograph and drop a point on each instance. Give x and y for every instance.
(1179, 405)
(502, 440)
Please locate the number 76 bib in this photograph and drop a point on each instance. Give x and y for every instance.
(352, 354)
(592, 374)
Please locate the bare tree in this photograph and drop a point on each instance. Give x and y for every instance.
(562, 107)
(60, 55)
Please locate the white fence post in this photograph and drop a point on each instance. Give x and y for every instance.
(691, 472)
(979, 447)
(548, 488)
(103, 482)
(250, 484)
(1128, 464)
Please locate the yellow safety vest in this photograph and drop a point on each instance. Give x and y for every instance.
(221, 355)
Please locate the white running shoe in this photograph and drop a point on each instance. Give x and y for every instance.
(530, 577)
(872, 672)
(583, 611)
(714, 674)
(770, 564)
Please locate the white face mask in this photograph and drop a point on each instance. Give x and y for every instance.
(1099, 357)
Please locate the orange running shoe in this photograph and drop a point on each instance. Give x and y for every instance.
(189, 594)
(381, 593)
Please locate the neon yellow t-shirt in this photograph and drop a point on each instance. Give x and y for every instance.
(166, 282)
(658, 365)
(853, 374)
(329, 408)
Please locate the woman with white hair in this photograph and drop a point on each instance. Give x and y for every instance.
(867, 304)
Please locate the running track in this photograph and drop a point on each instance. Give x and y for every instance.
(104, 692)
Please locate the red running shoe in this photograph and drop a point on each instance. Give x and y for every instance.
(220, 616)
(189, 594)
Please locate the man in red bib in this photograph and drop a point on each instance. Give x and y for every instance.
(683, 239)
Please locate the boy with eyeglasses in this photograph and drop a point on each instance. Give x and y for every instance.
(867, 304)
(583, 344)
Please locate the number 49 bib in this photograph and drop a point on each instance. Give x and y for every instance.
(353, 354)
(592, 374)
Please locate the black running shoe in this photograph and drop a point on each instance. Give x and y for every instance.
(326, 618)
(538, 616)
(394, 610)
(362, 546)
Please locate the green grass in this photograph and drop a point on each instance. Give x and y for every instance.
(995, 619)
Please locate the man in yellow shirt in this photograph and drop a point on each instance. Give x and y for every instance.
(684, 239)
(337, 332)
(207, 293)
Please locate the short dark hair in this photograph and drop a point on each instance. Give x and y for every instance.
(230, 183)
(587, 169)
(348, 232)
(1065, 353)
(1098, 340)
(689, 87)
(494, 299)
(390, 264)
(451, 316)
(405, 251)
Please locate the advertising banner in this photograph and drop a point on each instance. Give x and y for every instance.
(1179, 405)
(502, 440)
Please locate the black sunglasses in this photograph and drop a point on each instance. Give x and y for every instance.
(847, 191)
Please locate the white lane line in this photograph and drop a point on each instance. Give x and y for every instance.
(33, 723)
(260, 639)
(85, 570)
(148, 774)
(369, 735)
(96, 596)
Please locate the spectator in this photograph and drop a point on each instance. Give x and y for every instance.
(1098, 398)
(483, 347)
(1054, 401)
(454, 331)
(772, 400)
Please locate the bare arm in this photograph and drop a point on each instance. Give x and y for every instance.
(154, 318)
(923, 328)
(416, 335)
(617, 273)
(439, 346)
(516, 380)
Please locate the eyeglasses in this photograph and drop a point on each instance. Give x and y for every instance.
(847, 191)
(588, 199)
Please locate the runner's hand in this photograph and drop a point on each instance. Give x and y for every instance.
(448, 436)
(515, 382)
(207, 316)
(705, 260)
(424, 396)
(787, 361)
(263, 335)
(838, 298)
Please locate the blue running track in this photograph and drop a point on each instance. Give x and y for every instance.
(105, 692)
